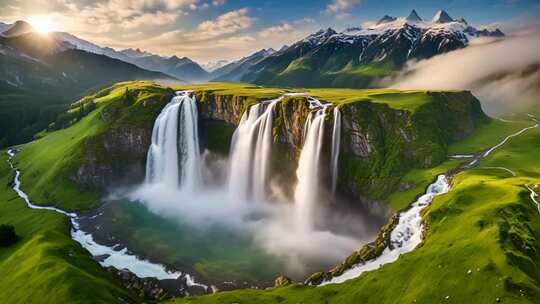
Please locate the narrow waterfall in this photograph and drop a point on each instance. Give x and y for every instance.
(336, 142)
(307, 190)
(174, 157)
(250, 153)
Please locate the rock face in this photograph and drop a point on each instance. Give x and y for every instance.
(117, 157)
(379, 144)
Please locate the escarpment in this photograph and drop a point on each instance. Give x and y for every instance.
(379, 142)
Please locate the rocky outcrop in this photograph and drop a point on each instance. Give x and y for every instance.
(117, 156)
(225, 108)
(154, 289)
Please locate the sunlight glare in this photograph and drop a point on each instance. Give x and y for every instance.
(42, 24)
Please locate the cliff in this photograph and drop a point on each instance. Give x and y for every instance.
(379, 141)
(379, 144)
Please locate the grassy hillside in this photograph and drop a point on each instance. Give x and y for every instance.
(49, 162)
(45, 265)
(480, 246)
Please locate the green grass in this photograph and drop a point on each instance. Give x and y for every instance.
(45, 265)
(487, 135)
(49, 162)
(397, 99)
(236, 89)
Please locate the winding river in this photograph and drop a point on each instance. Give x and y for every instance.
(405, 236)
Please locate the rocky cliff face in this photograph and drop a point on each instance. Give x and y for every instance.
(379, 144)
(117, 156)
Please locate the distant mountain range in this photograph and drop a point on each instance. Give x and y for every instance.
(358, 56)
(351, 58)
(41, 74)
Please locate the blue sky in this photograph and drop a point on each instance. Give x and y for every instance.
(208, 30)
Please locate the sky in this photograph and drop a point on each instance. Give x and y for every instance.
(211, 30)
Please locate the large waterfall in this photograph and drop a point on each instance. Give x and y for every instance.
(250, 153)
(307, 190)
(173, 159)
(174, 156)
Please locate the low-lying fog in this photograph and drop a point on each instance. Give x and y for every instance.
(504, 73)
(271, 223)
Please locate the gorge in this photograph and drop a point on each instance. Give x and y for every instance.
(192, 200)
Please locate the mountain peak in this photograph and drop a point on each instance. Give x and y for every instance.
(320, 36)
(413, 16)
(442, 17)
(386, 19)
(18, 28)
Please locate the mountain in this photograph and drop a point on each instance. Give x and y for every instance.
(18, 28)
(4, 27)
(40, 75)
(135, 53)
(441, 17)
(358, 56)
(413, 17)
(214, 65)
(181, 68)
(386, 19)
(234, 71)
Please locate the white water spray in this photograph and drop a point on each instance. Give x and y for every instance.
(174, 157)
(306, 193)
(250, 153)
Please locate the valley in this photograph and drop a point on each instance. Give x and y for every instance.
(113, 106)
(239, 152)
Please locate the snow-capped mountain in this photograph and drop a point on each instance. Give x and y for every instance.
(18, 28)
(356, 56)
(214, 65)
(55, 42)
(135, 53)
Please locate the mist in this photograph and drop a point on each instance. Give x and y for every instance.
(271, 223)
(503, 73)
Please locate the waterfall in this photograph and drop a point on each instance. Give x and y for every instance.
(336, 141)
(306, 192)
(174, 157)
(250, 153)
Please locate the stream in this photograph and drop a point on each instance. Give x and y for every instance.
(407, 234)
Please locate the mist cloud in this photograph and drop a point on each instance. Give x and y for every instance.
(503, 73)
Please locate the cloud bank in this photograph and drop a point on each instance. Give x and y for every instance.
(504, 74)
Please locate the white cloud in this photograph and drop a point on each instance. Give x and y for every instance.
(218, 2)
(278, 30)
(227, 23)
(504, 74)
(341, 6)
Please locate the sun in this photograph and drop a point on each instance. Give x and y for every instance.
(42, 24)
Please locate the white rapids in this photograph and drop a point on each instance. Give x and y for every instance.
(120, 259)
(533, 195)
(404, 237)
(407, 234)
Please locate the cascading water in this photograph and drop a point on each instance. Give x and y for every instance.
(173, 159)
(250, 153)
(306, 192)
(336, 141)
